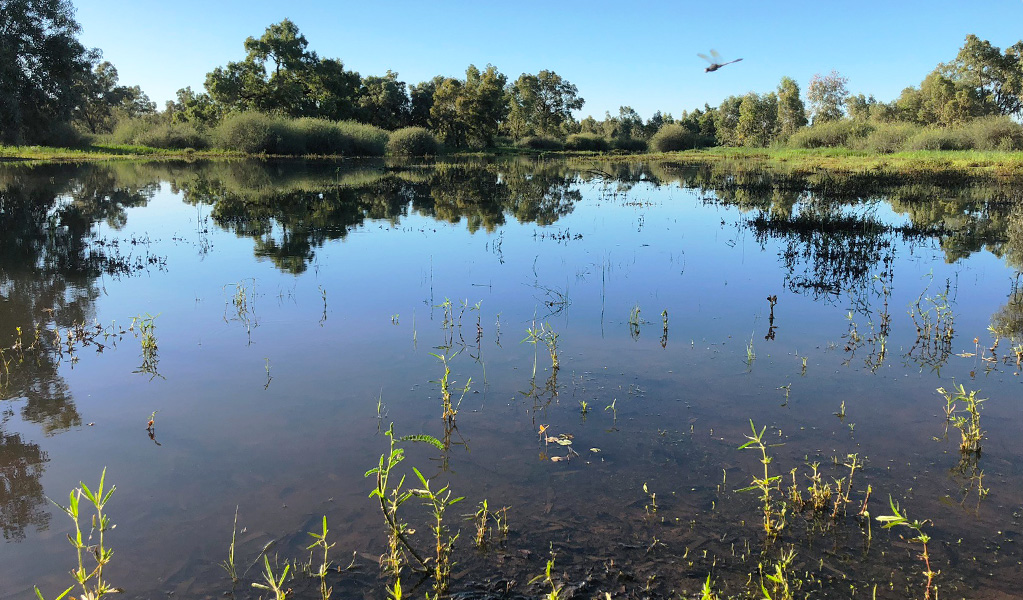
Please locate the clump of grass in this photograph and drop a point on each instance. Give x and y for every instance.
(91, 580)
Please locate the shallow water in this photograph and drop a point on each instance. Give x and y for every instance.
(298, 310)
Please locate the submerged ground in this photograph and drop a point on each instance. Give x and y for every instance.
(273, 319)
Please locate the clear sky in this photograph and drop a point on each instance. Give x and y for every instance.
(639, 54)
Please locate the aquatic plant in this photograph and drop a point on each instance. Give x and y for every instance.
(91, 580)
(320, 542)
(548, 579)
(967, 420)
(229, 564)
(274, 583)
(438, 502)
(391, 496)
(899, 518)
(774, 519)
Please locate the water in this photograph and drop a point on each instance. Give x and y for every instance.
(298, 308)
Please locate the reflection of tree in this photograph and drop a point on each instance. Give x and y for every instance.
(50, 258)
(21, 493)
(292, 212)
(1008, 321)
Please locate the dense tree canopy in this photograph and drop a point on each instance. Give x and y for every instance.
(298, 83)
(542, 103)
(41, 65)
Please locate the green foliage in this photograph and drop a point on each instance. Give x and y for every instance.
(938, 138)
(827, 94)
(890, 137)
(154, 133)
(674, 137)
(829, 134)
(299, 83)
(41, 66)
(791, 111)
(630, 144)
(586, 141)
(383, 101)
(541, 103)
(467, 113)
(412, 141)
(995, 133)
(103, 102)
(540, 142)
(758, 120)
(256, 133)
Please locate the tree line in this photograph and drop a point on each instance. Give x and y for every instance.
(53, 89)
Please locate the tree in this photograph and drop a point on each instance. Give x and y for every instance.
(469, 112)
(630, 124)
(383, 101)
(421, 101)
(190, 107)
(996, 78)
(726, 120)
(758, 120)
(826, 95)
(298, 84)
(791, 111)
(542, 103)
(103, 101)
(41, 61)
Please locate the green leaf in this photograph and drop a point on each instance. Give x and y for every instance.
(422, 437)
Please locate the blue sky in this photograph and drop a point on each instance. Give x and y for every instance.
(639, 54)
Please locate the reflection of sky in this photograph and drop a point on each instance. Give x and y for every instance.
(228, 441)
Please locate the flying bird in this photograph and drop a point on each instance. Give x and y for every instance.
(715, 61)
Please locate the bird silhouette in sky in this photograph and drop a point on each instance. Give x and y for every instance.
(715, 61)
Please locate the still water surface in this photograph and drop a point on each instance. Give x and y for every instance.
(299, 309)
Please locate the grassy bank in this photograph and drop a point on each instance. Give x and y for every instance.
(839, 160)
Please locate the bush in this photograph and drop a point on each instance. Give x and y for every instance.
(412, 141)
(995, 133)
(587, 141)
(830, 134)
(249, 132)
(538, 142)
(256, 133)
(890, 137)
(939, 138)
(367, 140)
(630, 144)
(320, 136)
(674, 137)
(62, 135)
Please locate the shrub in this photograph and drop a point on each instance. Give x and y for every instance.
(830, 134)
(889, 137)
(630, 144)
(320, 136)
(249, 132)
(939, 138)
(674, 137)
(62, 135)
(995, 133)
(587, 141)
(367, 140)
(538, 142)
(412, 141)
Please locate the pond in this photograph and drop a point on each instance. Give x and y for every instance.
(583, 344)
